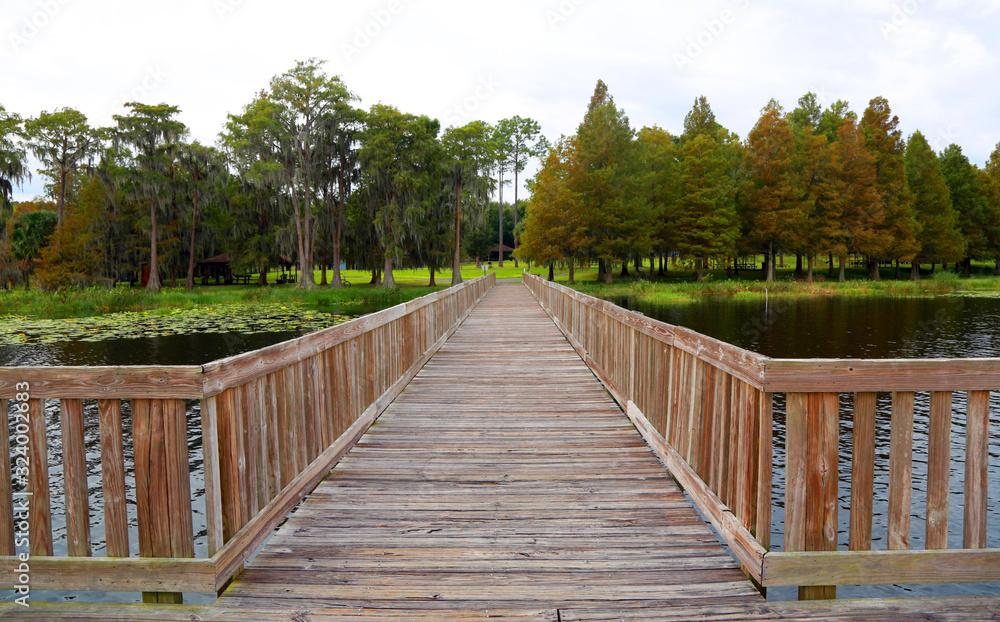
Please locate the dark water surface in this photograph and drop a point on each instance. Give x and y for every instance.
(845, 327)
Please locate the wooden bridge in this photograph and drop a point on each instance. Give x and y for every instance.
(501, 479)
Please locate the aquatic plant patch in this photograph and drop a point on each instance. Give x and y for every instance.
(219, 319)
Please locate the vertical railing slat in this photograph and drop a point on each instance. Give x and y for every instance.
(863, 471)
(213, 479)
(821, 482)
(178, 484)
(977, 464)
(230, 444)
(113, 478)
(765, 471)
(938, 470)
(900, 471)
(40, 530)
(796, 468)
(75, 479)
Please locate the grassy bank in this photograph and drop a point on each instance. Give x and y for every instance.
(361, 294)
(679, 287)
(671, 287)
(96, 301)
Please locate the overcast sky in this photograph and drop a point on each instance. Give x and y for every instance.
(936, 62)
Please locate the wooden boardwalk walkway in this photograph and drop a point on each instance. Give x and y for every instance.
(504, 483)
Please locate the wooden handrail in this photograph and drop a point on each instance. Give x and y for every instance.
(274, 422)
(705, 408)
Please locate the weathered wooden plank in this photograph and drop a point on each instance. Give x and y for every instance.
(115, 574)
(40, 529)
(230, 448)
(211, 452)
(977, 446)
(113, 478)
(863, 471)
(103, 382)
(178, 483)
(242, 544)
(850, 375)
(821, 483)
(881, 567)
(796, 470)
(74, 456)
(746, 548)
(765, 470)
(900, 471)
(163, 493)
(938, 469)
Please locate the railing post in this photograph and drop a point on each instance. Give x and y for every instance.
(811, 479)
(163, 484)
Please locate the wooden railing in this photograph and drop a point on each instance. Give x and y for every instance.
(273, 423)
(706, 408)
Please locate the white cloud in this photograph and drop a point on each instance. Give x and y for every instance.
(427, 56)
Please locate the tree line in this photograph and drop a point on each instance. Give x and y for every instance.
(300, 174)
(811, 182)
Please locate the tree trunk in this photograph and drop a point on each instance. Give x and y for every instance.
(262, 279)
(996, 268)
(322, 265)
(572, 271)
(62, 198)
(625, 267)
(798, 265)
(831, 265)
(609, 272)
(600, 270)
(638, 263)
(914, 271)
(873, 270)
(662, 272)
(699, 270)
(376, 277)
(968, 267)
(515, 211)
(388, 281)
(338, 231)
(189, 284)
(652, 266)
(770, 271)
(154, 265)
(300, 234)
(809, 277)
(500, 262)
(456, 260)
(842, 278)
(897, 270)
(552, 271)
(432, 282)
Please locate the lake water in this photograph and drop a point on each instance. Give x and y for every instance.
(845, 327)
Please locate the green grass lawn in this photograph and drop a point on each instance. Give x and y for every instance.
(94, 301)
